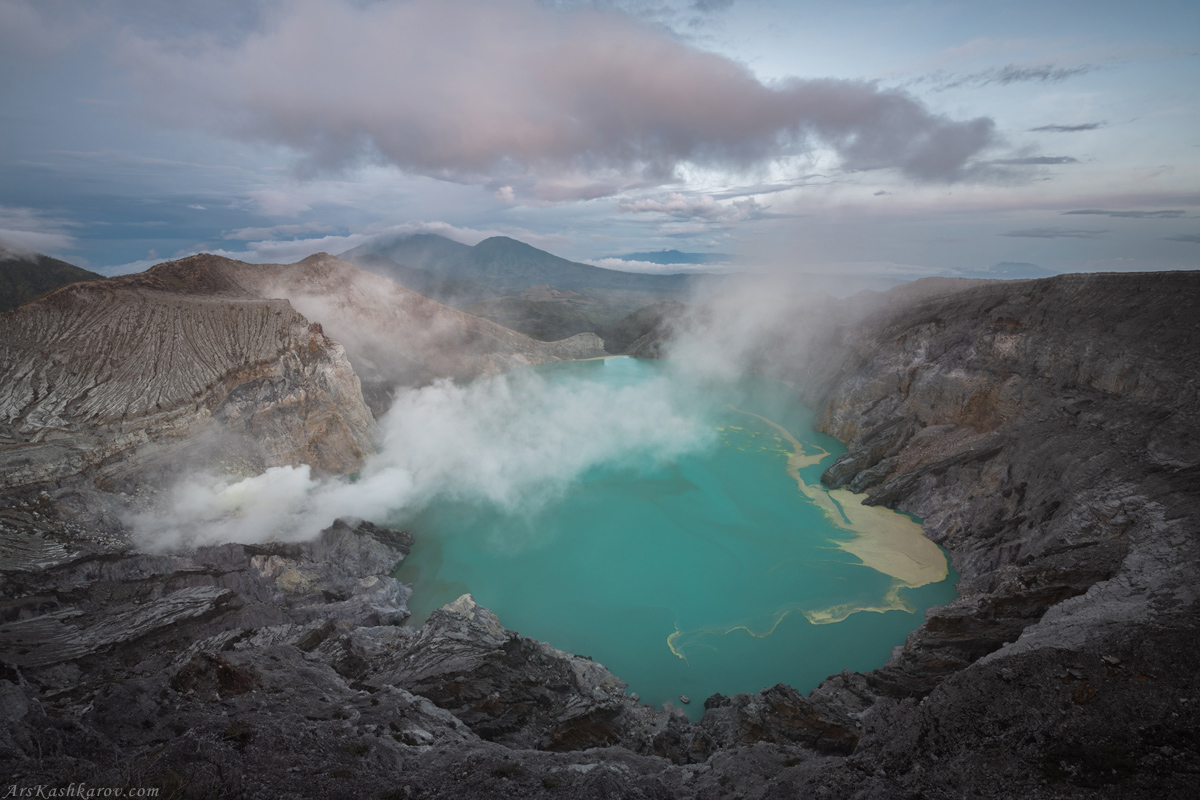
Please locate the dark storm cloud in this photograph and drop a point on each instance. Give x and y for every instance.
(1165, 214)
(568, 104)
(1032, 161)
(1086, 126)
(1193, 238)
(1057, 233)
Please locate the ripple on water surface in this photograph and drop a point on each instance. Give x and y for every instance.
(727, 569)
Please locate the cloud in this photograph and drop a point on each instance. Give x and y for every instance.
(703, 207)
(711, 5)
(505, 194)
(36, 31)
(276, 231)
(1165, 214)
(624, 265)
(1057, 233)
(461, 443)
(813, 179)
(1006, 75)
(26, 232)
(1030, 161)
(1039, 74)
(1086, 126)
(567, 103)
(881, 193)
(1193, 238)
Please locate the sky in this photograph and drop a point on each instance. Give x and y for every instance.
(856, 137)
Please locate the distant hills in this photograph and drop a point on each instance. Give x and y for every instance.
(435, 286)
(27, 278)
(508, 265)
(524, 288)
(517, 285)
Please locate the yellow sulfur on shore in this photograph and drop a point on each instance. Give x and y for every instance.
(884, 540)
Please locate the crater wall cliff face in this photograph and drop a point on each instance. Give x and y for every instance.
(1021, 418)
(1046, 431)
(97, 371)
(110, 375)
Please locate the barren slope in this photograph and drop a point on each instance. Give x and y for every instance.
(97, 370)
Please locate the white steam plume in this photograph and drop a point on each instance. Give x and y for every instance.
(517, 441)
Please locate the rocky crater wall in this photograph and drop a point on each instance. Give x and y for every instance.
(1045, 430)
(232, 363)
(96, 372)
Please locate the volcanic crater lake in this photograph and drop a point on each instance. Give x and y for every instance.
(728, 568)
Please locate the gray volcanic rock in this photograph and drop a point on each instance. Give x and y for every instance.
(215, 669)
(212, 354)
(1045, 430)
(96, 371)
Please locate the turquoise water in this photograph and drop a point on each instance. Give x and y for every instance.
(688, 577)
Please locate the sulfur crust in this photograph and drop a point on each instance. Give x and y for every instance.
(885, 541)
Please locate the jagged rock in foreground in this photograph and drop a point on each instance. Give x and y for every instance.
(1045, 430)
(281, 670)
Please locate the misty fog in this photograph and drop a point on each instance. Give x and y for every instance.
(515, 440)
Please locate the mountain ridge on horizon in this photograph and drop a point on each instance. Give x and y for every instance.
(510, 265)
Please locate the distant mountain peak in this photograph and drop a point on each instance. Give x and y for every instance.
(507, 265)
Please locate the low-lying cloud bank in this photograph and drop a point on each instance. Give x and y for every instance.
(560, 103)
(516, 441)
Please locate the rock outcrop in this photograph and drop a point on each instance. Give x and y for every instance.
(231, 362)
(96, 371)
